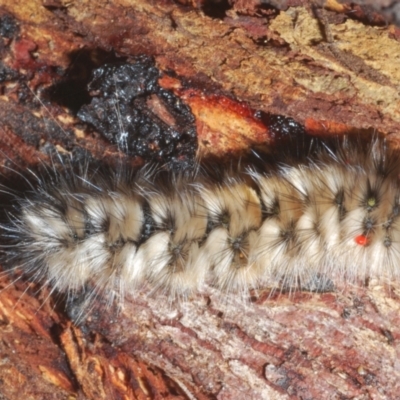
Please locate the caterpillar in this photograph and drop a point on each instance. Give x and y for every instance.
(335, 214)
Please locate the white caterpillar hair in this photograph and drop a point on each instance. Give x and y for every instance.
(336, 216)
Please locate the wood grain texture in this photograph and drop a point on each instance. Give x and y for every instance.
(329, 72)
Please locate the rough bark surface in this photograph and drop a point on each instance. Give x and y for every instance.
(332, 67)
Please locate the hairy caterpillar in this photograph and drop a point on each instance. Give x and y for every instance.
(334, 215)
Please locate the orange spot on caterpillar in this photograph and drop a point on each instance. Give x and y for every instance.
(362, 240)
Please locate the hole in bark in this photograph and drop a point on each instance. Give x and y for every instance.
(216, 8)
(71, 91)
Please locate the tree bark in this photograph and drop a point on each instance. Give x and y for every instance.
(331, 67)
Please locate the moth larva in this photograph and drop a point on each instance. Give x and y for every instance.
(335, 215)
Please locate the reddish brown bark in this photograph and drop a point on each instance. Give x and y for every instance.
(329, 72)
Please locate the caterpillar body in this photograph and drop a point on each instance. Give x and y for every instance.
(335, 215)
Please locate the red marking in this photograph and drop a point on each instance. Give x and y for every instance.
(362, 240)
